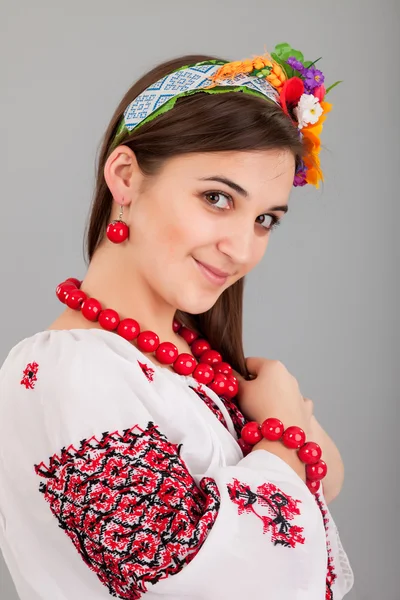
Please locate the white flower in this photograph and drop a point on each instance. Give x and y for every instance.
(308, 110)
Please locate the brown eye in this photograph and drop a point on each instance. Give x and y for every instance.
(269, 222)
(218, 200)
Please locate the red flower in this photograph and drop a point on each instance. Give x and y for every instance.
(320, 92)
(291, 93)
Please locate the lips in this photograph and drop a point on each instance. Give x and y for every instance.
(217, 272)
(212, 274)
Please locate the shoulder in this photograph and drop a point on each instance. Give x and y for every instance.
(63, 349)
(63, 366)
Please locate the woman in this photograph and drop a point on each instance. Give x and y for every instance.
(164, 464)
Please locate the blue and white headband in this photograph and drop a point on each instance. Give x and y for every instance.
(162, 95)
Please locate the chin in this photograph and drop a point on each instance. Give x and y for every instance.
(196, 303)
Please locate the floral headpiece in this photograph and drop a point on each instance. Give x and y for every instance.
(283, 77)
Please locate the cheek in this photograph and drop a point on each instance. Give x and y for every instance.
(172, 236)
(180, 232)
(160, 228)
(260, 247)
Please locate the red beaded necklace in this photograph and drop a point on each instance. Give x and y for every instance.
(209, 369)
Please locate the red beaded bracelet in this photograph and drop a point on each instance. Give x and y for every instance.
(294, 438)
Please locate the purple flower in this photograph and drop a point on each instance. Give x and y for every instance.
(295, 64)
(313, 79)
(300, 175)
(300, 179)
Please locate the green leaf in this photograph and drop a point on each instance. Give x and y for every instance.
(287, 54)
(282, 49)
(298, 55)
(332, 86)
(288, 70)
(311, 64)
(277, 58)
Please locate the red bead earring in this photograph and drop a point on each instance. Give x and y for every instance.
(118, 231)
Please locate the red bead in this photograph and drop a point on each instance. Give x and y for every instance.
(63, 289)
(310, 453)
(204, 374)
(167, 353)
(272, 429)
(148, 341)
(244, 446)
(91, 309)
(293, 437)
(74, 281)
(176, 326)
(185, 364)
(251, 433)
(313, 486)
(109, 319)
(75, 298)
(199, 346)
(232, 387)
(211, 357)
(317, 471)
(223, 368)
(220, 384)
(117, 231)
(128, 329)
(188, 335)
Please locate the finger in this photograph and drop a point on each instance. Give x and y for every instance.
(238, 376)
(253, 364)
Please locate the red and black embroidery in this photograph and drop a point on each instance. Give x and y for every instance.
(130, 506)
(281, 509)
(148, 371)
(238, 418)
(30, 375)
(331, 575)
(210, 403)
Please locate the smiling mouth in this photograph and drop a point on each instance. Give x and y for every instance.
(216, 277)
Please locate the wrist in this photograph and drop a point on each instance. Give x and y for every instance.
(290, 444)
(286, 454)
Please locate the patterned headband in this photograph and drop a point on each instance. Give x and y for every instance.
(283, 77)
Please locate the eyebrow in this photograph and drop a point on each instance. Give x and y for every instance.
(235, 186)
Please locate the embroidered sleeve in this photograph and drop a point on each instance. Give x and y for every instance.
(130, 507)
(136, 516)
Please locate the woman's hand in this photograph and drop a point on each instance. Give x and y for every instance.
(274, 392)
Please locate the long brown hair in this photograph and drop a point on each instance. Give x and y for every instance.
(197, 123)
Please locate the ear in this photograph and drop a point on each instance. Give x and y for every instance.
(123, 175)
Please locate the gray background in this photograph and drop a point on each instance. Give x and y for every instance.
(324, 299)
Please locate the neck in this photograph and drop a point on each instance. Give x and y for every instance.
(118, 285)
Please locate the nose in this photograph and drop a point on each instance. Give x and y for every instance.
(237, 240)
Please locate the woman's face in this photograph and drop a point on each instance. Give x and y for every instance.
(204, 222)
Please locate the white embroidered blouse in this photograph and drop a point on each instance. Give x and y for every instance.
(120, 478)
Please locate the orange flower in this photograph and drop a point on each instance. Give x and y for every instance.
(314, 173)
(311, 136)
(311, 141)
(311, 133)
(276, 77)
(316, 128)
(258, 63)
